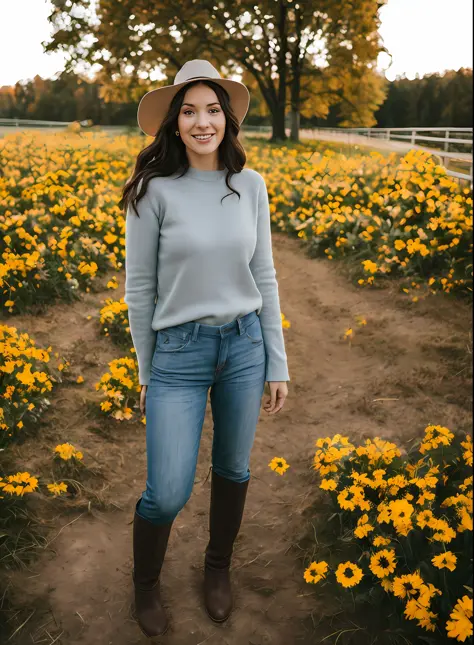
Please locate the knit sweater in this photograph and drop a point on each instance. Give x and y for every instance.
(189, 257)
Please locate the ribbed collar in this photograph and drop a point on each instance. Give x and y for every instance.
(205, 175)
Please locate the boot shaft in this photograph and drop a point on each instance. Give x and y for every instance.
(150, 542)
(225, 517)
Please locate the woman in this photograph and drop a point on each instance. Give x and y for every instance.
(202, 245)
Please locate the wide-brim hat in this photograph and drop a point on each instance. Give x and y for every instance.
(154, 105)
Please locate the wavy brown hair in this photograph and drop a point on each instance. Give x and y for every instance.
(167, 153)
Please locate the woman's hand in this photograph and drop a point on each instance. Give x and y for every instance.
(278, 394)
(143, 399)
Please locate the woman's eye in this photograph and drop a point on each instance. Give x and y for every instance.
(215, 110)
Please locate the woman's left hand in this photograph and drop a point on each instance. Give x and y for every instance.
(278, 394)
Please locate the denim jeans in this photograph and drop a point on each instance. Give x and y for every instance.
(188, 360)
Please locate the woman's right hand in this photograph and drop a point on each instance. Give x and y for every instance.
(143, 399)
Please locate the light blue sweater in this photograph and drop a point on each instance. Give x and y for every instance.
(203, 261)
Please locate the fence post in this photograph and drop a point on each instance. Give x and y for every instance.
(446, 143)
(413, 137)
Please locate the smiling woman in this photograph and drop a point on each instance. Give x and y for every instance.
(206, 254)
(201, 126)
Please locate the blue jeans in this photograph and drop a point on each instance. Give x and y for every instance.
(188, 360)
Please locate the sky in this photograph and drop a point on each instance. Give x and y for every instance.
(422, 36)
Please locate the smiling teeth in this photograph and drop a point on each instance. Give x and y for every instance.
(207, 136)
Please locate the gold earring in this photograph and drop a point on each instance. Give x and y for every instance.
(177, 133)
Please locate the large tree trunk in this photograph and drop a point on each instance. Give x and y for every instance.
(279, 133)
(295, 125)
(295, 89)
(278, 124)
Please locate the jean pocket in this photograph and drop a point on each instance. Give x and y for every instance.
(254, 332)
(172, 341)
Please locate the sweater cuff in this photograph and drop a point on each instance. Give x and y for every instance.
(145, 358)
(276, 370)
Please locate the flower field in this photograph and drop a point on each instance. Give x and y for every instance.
(390, 218)
(62, 228)
(408, 520)
(411, 517)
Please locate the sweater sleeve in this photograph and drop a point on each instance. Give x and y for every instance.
(263, 271)
(141, 280)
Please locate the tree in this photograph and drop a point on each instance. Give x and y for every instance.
(130, 38)
(431, 101)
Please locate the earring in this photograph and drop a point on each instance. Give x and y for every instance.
(177, 133)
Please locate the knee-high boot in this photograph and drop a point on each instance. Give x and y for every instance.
(226, 510)
(149, 547)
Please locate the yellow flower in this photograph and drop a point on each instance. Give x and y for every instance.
(348, 574)
(413, 609)
(424, 518)
(467, 445)
(67, 451)
(328, 484)
(444, 533)
(435, 436)
(57, 489)
(357, 500)
(445, 560)
(279, 465)
(381, 541)
(382, 563)
(400, 513)
(407, 585)
(387, 585)
(363, 527)
(316, 572)
(18, 484)
(460, 625)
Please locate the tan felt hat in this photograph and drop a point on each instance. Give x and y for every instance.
(154, 105)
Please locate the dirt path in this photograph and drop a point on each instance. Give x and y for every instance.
(416, 355)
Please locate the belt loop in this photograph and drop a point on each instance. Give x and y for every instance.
(240, 325)
(196, 331)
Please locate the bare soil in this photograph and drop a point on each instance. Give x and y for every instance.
(408, 367)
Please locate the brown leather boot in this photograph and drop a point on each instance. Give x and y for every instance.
(227, 507)
(149, 548)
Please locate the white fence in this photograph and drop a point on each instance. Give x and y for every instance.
(402, 139)
(24, 123)
(442, 138)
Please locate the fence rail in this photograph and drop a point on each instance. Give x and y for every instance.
(22, 123)
(402, 139)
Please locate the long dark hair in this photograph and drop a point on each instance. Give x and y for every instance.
(167, 153)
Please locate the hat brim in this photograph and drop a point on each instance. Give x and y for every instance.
(154, 105)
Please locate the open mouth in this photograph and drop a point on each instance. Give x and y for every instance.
(203, 138)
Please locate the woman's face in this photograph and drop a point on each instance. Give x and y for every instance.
(201, 114)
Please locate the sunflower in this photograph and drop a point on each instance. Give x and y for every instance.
(426, 619)
(363, 527)
(424, 518)
(348, 574)
(444, 533)
(328, 484)
(316, 572)
(387, 585)
(381, 541)
(407, 585)
(382, 563)
(460, 627)
(279, 465)
(445, 560)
